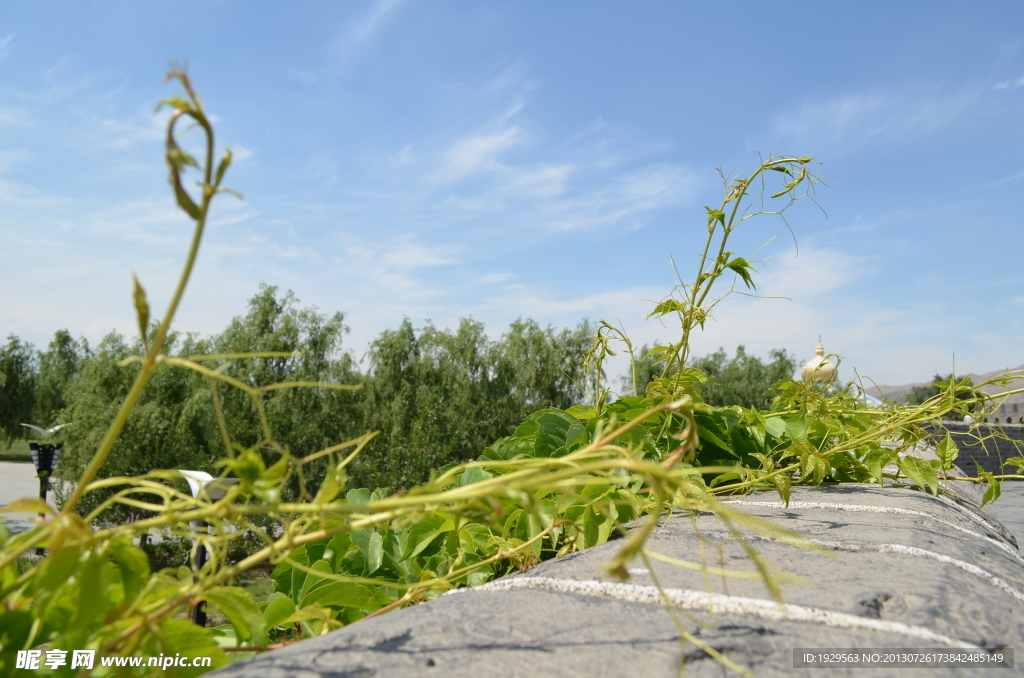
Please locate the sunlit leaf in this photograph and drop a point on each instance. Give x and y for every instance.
(241, 610)
(921, 472)
(947, 452)
(225, 162)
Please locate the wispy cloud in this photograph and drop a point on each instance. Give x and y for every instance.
(850, 121)
(363, 28)
(1007, 84)
(10, 158)
(6, 45)
(306, 77)
(240, 153)
(626, 197)
(478, 152)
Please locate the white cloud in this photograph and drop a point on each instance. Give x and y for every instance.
(849, 121)
(1007, 84)
(10, 158)
(15, 117)
(360, 31)
(298, 75)
(495, 278)
(240, 153)
(477, 152)
(6, 45)
(627, 198)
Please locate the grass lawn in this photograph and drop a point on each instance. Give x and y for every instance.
(16, 451)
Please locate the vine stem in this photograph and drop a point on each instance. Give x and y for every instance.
(151, 362)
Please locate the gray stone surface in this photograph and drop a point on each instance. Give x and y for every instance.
(892, 568)
(1009, 509)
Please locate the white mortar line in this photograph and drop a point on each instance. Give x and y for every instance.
(965, 566)
(909, 551)
(969, 512)
(861, 508)
(722, 604)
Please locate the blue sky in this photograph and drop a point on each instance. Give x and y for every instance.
(439, 159)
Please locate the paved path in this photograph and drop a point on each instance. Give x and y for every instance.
(18, 479)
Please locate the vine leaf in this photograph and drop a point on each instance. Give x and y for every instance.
(947, 451)
(993, 491)
(921, 472)
(141, 310)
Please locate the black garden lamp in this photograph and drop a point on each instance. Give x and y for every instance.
(44, 456)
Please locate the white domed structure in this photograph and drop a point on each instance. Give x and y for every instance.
(819, 368)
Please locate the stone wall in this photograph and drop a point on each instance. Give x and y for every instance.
(989, 454)
(875, 570)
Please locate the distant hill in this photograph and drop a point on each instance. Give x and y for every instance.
(897, 392)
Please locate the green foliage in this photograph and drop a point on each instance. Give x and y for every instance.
(963, 388)
(59, 365)
(171, 426)
(439, 397)
(298, 345)
(17, 387)
(743, 380)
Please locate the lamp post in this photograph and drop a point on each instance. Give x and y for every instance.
(202, 483)
(44, 457)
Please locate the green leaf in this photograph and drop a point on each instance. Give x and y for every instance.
(342, 594)
(282, 576)
(277, 610)
(93, 580)
(175, 102)
(796, 428)
(582, 412)
(248, 467)
(474, 474)
(179, 159)
(993, 491)
(371, 544)
(709, 430)
(947, 451)
(423, 532)
(141, 310)
(876, 461)
(184, 637)
(133, 563)
(241, 610)
(921, 472)
(15, 627)
(554, 427)
(820, 469)
(667, 306)
(312, 579)
(783, 484)
(775, 426)
(714, 215)
(185, 202)
(1015, 461)
(225, 162)
(358, 496)
(742, 268)
(596, 527)
(57, 568)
